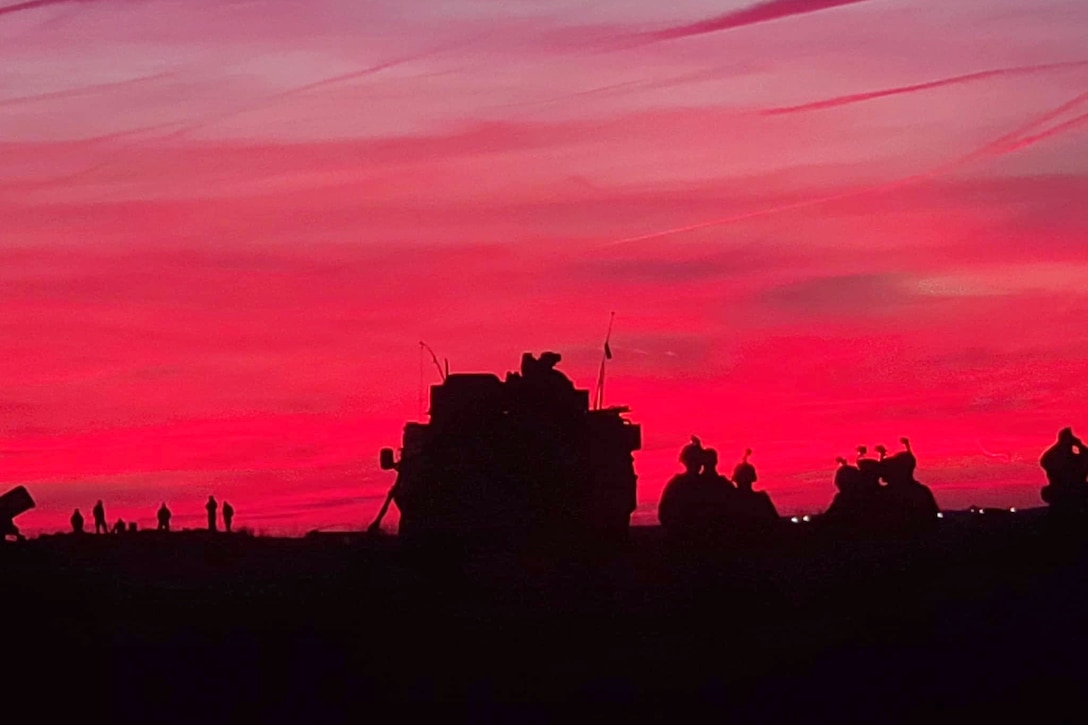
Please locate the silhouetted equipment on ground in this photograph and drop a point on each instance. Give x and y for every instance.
(77, 522)
(228, 515)
(863, 505)
(1066, 467)
(520, 457)
(13, 503)
(119, 527)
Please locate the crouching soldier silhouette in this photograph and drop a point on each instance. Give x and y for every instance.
(1066, 467)
(693, 505)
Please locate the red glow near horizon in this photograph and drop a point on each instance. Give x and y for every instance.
(225, 227)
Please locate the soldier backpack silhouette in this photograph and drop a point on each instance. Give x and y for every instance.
(77, 522)
(119, 527)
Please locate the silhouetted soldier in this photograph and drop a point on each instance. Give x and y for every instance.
(869, 470)
(164, 517)
(99, 513)
(709, 473)
(228, 515)
(691, 504)
(911, 504)
(753, 510)
(77, 522)
(119, 527)
(1066, 467)
(211, 507)
(848, 504)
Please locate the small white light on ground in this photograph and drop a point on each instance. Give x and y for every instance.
(940, 515)
(806, 518)
(795, 520)
(1012, 510)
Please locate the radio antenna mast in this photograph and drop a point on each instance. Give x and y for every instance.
(598, 397)
(434, 359)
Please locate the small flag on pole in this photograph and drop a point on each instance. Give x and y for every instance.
(607, 351)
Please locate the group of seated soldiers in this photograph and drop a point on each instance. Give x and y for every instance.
(702, 501)
(863, 501)
(875, 493)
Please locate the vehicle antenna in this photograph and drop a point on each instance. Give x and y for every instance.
(598, 396)
(434, 359)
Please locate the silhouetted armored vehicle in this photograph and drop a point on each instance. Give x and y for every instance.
(520, 458)
(13, 503)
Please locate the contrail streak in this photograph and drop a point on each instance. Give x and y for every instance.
(761, 13)
(954, 80)
(1009, 143)
(29, 5)
(82, 90)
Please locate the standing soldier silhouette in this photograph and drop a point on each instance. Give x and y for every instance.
(99, 513)
(228, 515)
(164, 517)
(210, 507)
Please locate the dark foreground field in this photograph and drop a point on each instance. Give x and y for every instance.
(986, 616)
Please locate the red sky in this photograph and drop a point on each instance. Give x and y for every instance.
(224, 228)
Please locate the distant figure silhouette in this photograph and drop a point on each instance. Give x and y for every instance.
(99, 513)
(119, 527)
(228, 515)
(77, 522)
(211, 507)
(693, 504)
(164, 517)
(752, 511)
(1066, 467)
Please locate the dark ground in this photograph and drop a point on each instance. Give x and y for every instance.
(984, 617)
